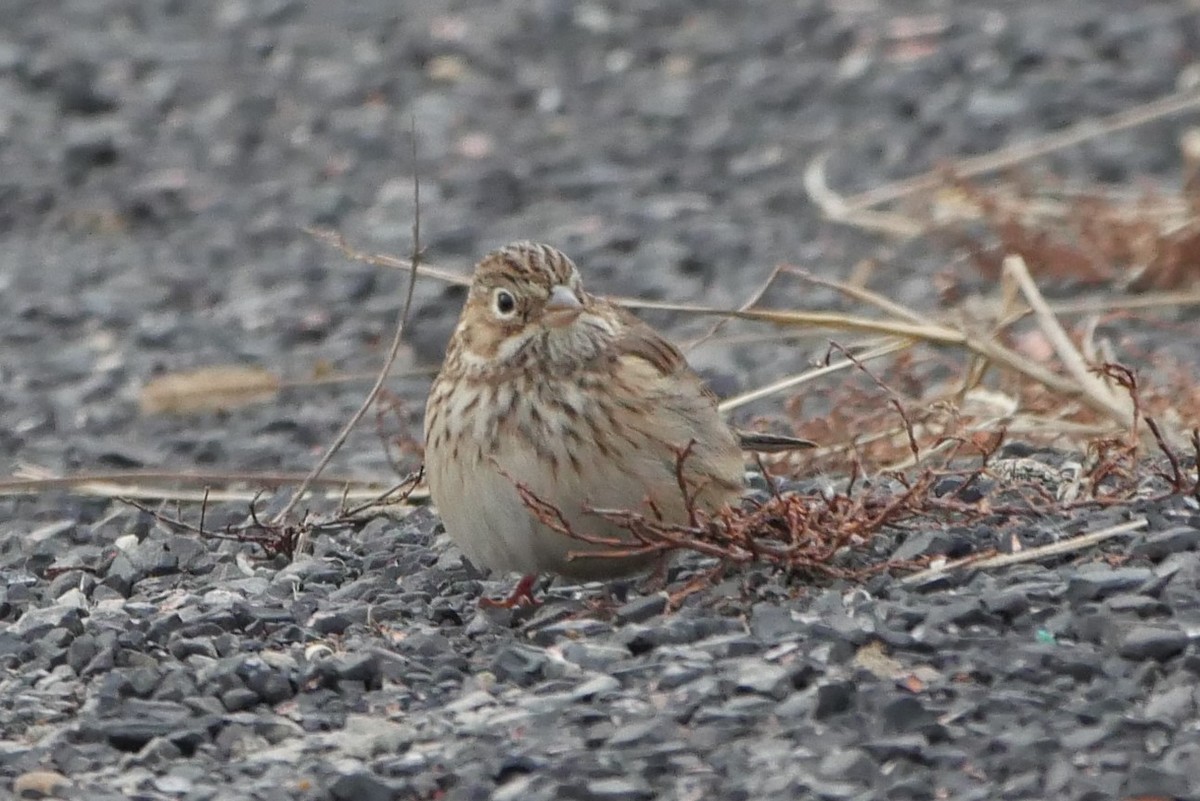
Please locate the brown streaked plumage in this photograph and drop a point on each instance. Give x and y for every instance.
(574, 397)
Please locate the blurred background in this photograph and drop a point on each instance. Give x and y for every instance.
(159, 160)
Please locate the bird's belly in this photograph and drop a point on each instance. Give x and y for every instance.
(487, 519)
(485, 516)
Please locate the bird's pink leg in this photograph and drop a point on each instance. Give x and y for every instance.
(521, 595)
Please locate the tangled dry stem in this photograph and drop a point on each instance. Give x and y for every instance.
(274, 538)
(831, 534)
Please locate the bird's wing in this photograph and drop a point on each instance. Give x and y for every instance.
(643, 342)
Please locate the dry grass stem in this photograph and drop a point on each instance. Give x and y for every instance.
(180, 486)
(1100, 396)
(1072, 545)
(794, 381)
(836, 207)
(1013, 155)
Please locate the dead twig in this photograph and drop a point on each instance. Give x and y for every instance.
(403, 490)
(750, 302)
(397, 340)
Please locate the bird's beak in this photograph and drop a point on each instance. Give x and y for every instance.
(562, 307)
(562, 299)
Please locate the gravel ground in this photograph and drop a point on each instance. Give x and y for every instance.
(157, 162)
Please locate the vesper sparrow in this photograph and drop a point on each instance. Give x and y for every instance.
(580, 401)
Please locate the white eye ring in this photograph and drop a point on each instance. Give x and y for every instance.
(504, 303)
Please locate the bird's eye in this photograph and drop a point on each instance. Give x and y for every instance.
(504, 302)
